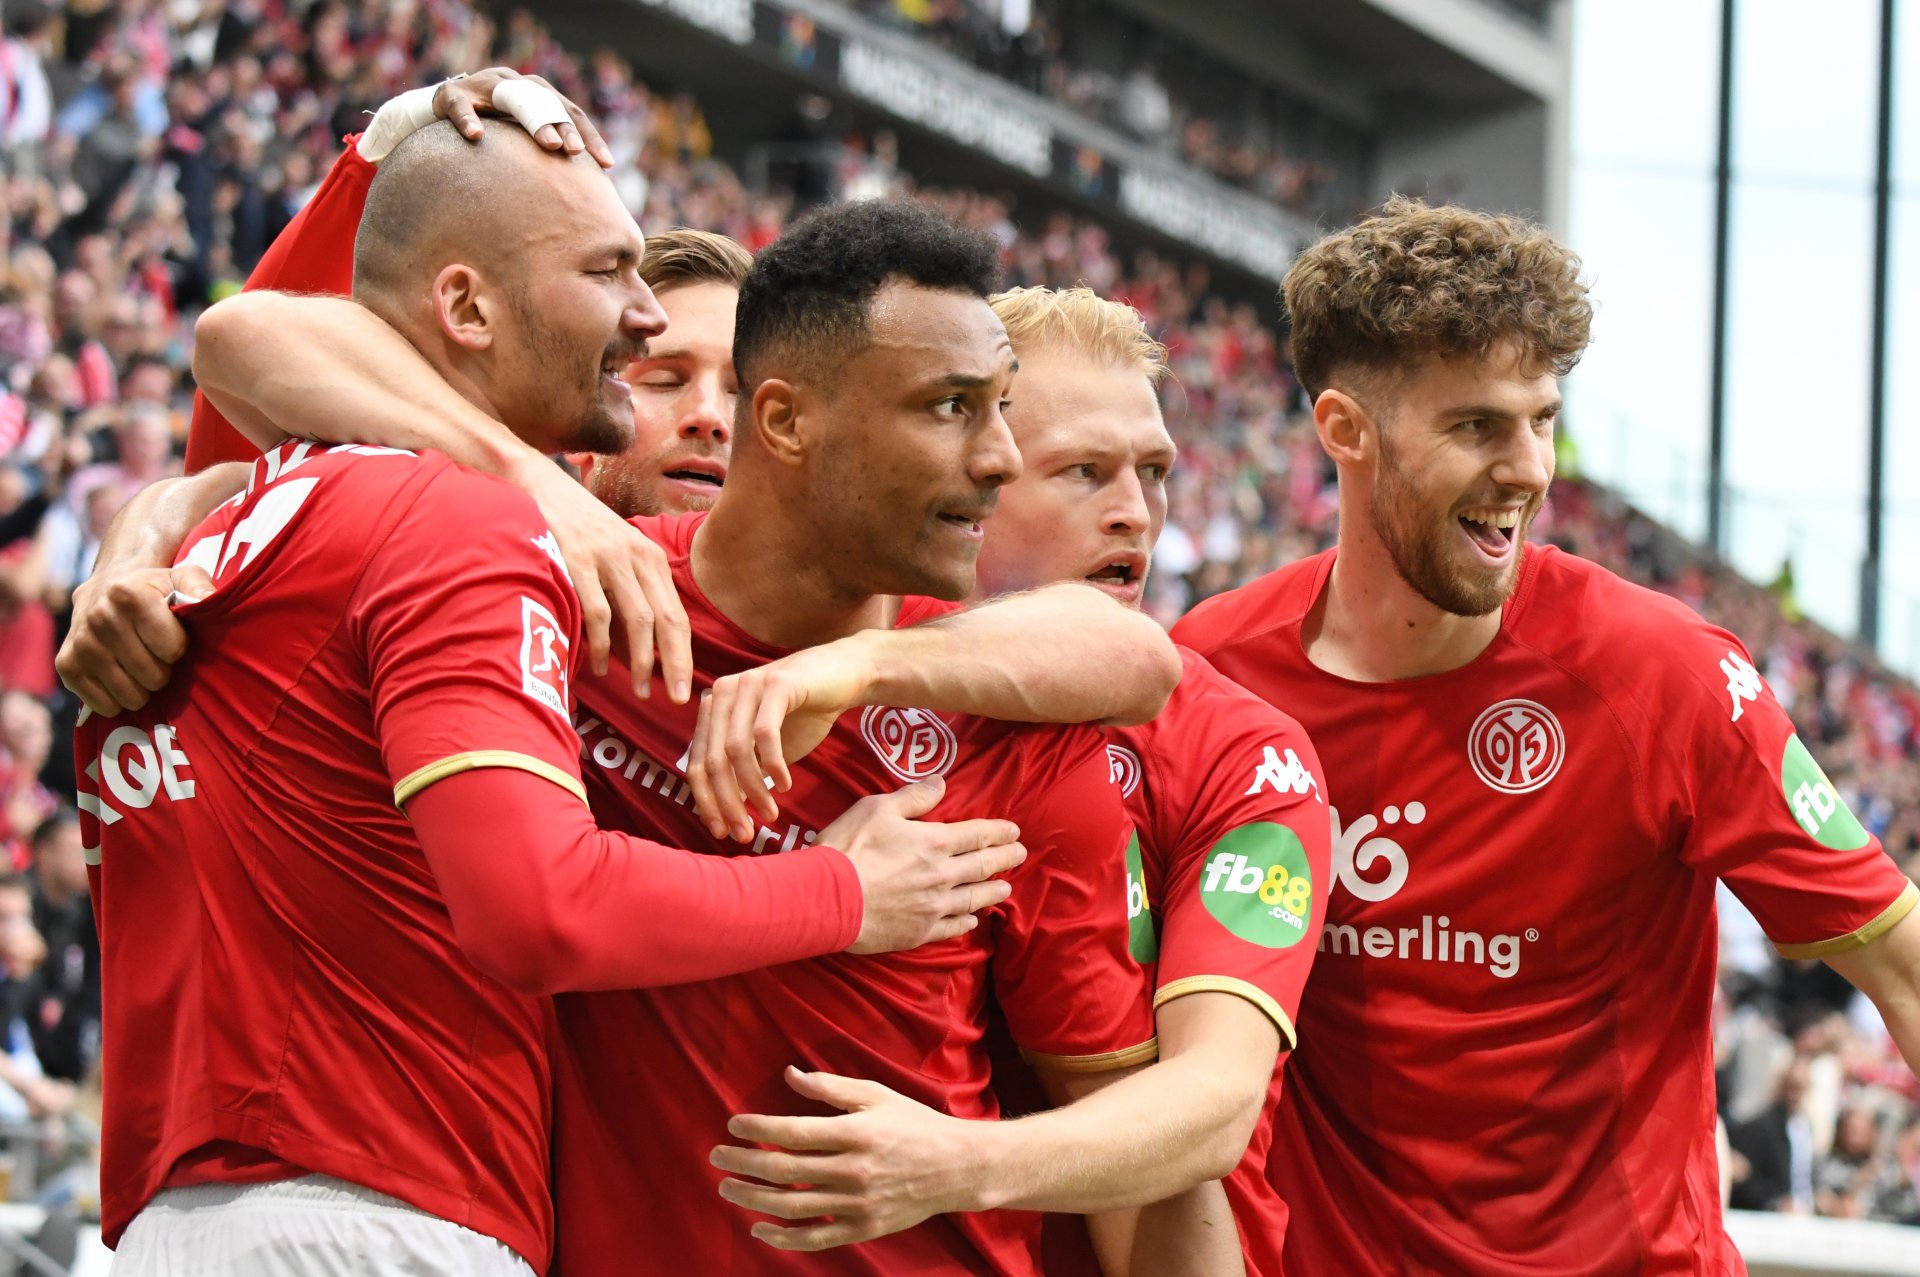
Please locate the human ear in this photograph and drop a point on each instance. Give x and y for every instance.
(775, 416)
(1346, 430)
(464, 307)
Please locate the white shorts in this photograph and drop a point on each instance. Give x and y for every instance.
(314, 1226)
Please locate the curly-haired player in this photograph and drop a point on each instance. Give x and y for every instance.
(1537, 773)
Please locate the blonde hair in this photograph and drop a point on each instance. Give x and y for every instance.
(684, 256)
(1080, 321)
(1412, 281)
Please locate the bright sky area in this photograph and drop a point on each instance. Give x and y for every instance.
(1645, 111)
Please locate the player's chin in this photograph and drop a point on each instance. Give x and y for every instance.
(949, 577)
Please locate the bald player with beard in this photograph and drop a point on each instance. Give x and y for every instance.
(338, 863)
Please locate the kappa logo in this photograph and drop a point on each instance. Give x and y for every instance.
(1516, 746)
(1284, 774)
(1123, 769)
(1743, 682)
(549, 545)
(543, 657)
(912, 743)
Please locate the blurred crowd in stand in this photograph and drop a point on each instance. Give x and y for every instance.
(152, 152)
(1156, 86)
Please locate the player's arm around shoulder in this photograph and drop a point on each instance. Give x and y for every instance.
(1065, 653)
(125, 639)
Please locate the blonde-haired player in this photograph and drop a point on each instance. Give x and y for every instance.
(1226, 878)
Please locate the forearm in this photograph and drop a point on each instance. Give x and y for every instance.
(1151, 1135)
(151, 528)
(545, 902)
(327, 368)
(1190, 1234)
(1888, 971)
(1061, 654)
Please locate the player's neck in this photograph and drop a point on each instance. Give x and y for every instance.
(764, 573)
(1369, 625)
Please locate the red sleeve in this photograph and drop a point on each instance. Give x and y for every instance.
(1238, 856)
(469, 628)
(314, 254)
(1074, 997)
(547, 903)
(1756, 809)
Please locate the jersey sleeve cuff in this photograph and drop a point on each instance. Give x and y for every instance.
(1900, 908)
(1106, 1061)
(1238, 988)
(454, 764)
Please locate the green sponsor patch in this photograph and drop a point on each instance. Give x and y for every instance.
(1257, 883)
(1813, 802)
(1142, 943)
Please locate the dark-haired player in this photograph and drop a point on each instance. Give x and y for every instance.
(341, 857)
(1227, 877)
(1538, 771)
(850, 488)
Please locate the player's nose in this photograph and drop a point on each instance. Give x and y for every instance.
(642, 317)
(1128, 514)
(709, 412)
(996, 457)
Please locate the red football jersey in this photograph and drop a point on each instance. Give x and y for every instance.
(313, 254)
(1510, 1069)
(1228, 877)
(282, 984)
(648, 1079)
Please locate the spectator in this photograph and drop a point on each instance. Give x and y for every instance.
(26, 739)
(1775, 1171)
(64, 1011)
(25, 1090)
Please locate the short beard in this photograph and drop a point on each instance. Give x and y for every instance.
(597, 430)
(1419, 553)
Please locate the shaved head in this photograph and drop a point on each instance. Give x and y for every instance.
(515, 272)
(440, 198)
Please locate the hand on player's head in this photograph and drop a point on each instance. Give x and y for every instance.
(547, 114)
(921, 881)
(515, 275)
(125, 639)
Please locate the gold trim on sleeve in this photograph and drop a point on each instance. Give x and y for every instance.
(1900, 908)
(1239, 988)
(1105, 1062)
(454, 764)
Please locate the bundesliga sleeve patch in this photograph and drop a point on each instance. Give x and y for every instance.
(1815, 805)
(1257, 884)
(543, 657)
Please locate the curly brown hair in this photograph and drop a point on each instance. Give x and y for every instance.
(1411, 281)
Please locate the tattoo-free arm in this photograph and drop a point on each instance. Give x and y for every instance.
(327, 368)
(1887, 970)
(1064, 653)
(125, 639)
(1168, 1130)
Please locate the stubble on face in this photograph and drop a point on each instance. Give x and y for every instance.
(594, 426)
(1421, 542)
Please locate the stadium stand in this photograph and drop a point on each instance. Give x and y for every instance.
(152, 153)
